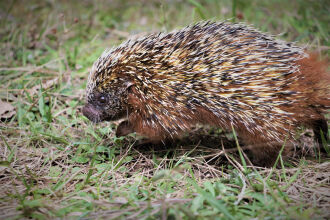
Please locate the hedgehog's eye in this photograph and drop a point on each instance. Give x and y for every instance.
(102, 99)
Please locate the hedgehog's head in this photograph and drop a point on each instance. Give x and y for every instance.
(107, 90)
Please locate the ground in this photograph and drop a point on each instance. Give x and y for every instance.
(57, 164)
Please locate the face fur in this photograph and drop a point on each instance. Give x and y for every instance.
(104, 106)
(106, 97)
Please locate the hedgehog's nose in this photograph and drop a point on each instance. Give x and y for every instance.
(91, 113)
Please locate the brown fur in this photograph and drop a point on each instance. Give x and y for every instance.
(313, 83)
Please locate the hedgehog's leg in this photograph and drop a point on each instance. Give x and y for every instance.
(127, 127)
(124, 128)
(148, 130)
(262, 151)
(265, 155)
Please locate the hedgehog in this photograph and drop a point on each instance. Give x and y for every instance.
(226, 75)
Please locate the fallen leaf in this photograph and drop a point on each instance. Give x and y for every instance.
(6, 110)
(45, 85)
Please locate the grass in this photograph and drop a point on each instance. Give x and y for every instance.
(56, 164)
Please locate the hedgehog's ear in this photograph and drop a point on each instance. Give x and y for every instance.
(126, 86)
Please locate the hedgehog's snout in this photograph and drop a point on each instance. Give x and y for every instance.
(92, 113)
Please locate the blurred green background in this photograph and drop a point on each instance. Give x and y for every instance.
(31, 30)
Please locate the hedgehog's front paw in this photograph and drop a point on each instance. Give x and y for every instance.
(124, 128)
